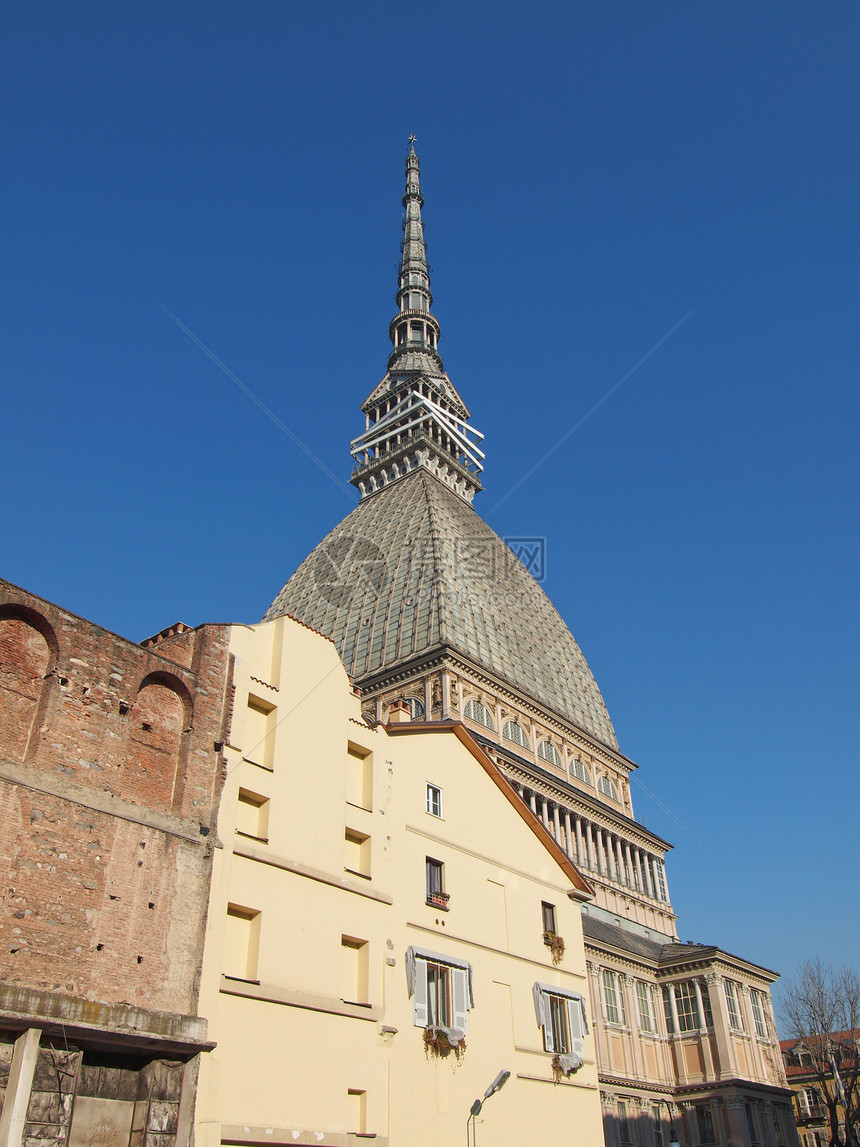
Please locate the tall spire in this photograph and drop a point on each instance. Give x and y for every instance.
(413, 331)
(415, 419)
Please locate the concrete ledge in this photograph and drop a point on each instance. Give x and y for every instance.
(101, 1025)
(273, 994)
(233, 1133)
(343, 882)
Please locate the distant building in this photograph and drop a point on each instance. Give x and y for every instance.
(110, 776)
(819, 1098)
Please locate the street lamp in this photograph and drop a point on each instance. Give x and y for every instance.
(475, 1110)
(674, 1141)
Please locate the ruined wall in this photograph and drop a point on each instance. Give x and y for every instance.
(110, 774)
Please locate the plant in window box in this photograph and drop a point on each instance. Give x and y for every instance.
(556, 946)
(438, 899)
(440, 1042)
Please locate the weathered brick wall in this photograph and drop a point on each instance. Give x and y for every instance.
(110, 773)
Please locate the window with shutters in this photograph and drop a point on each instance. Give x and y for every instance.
(441, 990)
(561, 1016)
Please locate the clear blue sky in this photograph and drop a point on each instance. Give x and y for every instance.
(592, 172)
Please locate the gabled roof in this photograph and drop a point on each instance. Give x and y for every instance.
(412, 570)
(459, 730)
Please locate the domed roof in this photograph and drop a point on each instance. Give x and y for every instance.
(412, 569)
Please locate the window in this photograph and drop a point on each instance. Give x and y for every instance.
(479, 713)
(778, 1123)
(516, 733)
(436, 894)
(354, 970)
(759, 1013)
(357, 853)
(578, 770)
(434, 800)
(705, 1123)
(657, 1124)
(661, 881)
(624, 1133)
(260, 721)
(561, 1014)
(751, 1119)
(667, 1010)
(441, 990)
(606, 786)
(416, 708)
(687, 1006)
(359, 776)
(736, 1022)
(613, 999)
(548, 915)
(241, 943)
(252, 815)
(549, 753)
(645, 1007)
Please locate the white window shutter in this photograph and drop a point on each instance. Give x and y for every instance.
(548, 1040)
(577, 1027)
(460, 995)
(419, 995)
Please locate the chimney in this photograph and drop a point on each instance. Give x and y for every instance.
(399, 712)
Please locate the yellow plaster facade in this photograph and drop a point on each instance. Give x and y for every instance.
(319, 890)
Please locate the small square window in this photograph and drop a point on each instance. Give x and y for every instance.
(434, 800)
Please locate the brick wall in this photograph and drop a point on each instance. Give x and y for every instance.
(110, 773)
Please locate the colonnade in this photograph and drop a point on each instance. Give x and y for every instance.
(597, 849)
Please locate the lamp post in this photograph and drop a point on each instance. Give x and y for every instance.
(475, 1110)
(674, 1141)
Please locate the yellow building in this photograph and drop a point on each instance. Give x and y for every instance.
(388, 925)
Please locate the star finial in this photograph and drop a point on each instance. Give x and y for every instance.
(413, 139)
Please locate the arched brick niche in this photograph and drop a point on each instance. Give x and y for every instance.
(27, 653)
(161, 714)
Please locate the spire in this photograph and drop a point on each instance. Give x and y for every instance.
(413, 331)
(415, 419)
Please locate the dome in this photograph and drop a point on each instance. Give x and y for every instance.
(413, 569)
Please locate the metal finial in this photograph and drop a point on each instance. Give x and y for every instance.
(413, 139)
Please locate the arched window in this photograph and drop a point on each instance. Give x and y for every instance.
(516, 733)
(606, 786)
(578, 770)
(478, 712)
(25, 656)
(548, 752)
(416, 708)
(158, 721)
